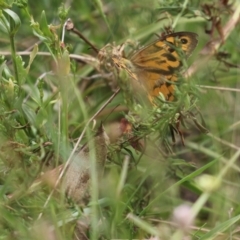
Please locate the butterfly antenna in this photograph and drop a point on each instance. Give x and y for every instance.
(69, 26)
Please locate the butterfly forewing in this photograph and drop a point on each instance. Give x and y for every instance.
(156, 64)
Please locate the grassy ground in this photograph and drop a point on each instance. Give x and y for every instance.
(54, 97)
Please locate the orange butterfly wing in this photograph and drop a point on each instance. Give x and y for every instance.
(156, 64)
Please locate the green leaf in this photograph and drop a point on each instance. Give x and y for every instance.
(22, 72)
(4, 71)
(44, 26)
(14, 21)
(4, 24)
(30, 113)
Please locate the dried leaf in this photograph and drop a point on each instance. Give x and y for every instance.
(77, 177)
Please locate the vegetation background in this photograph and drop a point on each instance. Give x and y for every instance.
(50, 95)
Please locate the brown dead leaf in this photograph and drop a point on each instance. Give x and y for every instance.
(77, 178)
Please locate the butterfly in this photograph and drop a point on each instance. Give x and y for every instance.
(155, 66)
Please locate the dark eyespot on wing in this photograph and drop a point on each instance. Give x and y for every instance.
(184, 41)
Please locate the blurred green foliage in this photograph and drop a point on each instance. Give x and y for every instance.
(48, 96)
